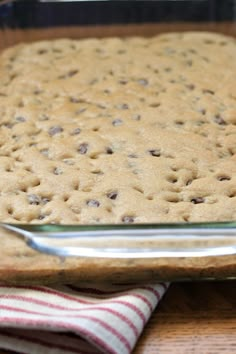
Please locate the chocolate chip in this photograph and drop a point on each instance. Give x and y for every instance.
(209, 41)
(72, 73)
(69, 162)
(223, 178)
(142, 99)
(174, 180)
(38, 92)
(155, 153)
(117, 122)
(34, 199)
(83, 148)
(74, 100)
(76, 131)
(122, 106)
(199, 123)
(133, 156)
(206, 59)
(219, 120)
(20, 119)
(97, 172)
(42, 51)
(10, 210)
(191, 87)
(128, 219)
(197, 200)
(123, 82)
(112, 195)
(101, 106)
(93, 203)
(154, 104)
(189, 62)
(8, 125)
(55, 130)
(109, 151)
(208, 91)
(69, 74)
(202, 111)
(143, 82)
(13, 76)
(41, 217)
(45, 152)
(136, 117)
(81, 110)
(93, 81)
(179, 122)
(232, 195)
(57, 171)
(43, 117)
(45, 200)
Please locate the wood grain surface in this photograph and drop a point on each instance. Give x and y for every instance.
(192, 318)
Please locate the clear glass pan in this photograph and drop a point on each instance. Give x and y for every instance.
(160, 251)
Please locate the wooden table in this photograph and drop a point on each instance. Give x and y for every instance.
(192, 318)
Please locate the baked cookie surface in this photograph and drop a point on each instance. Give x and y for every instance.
(117, 130)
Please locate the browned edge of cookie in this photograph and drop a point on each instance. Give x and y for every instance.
(10, 37)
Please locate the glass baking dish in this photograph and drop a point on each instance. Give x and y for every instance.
(147, 251)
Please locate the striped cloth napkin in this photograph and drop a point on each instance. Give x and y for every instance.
(72, 319)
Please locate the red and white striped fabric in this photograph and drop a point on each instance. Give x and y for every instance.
(69, 319)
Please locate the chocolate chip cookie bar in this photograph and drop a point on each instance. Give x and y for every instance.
(113, 130)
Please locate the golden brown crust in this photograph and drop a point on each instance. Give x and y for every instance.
(117, 130)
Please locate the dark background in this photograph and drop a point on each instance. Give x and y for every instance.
(30, 13)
